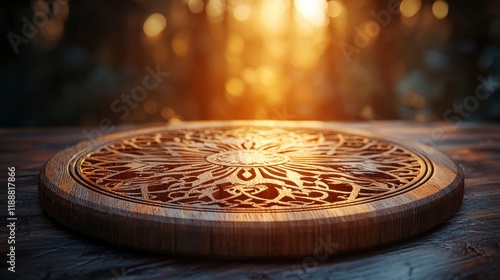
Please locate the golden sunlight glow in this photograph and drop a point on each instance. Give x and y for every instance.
(277, 49)
(195, 6)
(266, 40)
(242, 12)
(250, 75)
(215, 8)
(273, 15)
(154, 25)
(180, 44)
(235, 86)
(358, 3)
(233, 61)
(367, 113)
(410, 8)
(440, 9)
(371, 28)
(235, 44)
(175, 119)
(167, 113)
(267, 77)
(312, 10)
(304, 58)
(334, 9)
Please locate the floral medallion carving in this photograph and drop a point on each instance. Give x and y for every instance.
(250, 168)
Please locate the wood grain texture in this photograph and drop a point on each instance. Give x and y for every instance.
(285, 187)
(465, 246)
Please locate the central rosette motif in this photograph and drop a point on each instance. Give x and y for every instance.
(247, 158)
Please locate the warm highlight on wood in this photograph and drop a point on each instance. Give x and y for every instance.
(250, 189)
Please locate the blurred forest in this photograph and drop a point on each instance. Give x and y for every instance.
(67, 63)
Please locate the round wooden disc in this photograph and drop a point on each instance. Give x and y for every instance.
(250, 189)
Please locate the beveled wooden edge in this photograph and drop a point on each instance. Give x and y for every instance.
(197, 233)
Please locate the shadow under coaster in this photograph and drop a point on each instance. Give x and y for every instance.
(250, 189)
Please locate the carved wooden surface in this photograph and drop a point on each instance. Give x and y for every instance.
(249, 168)
(250, 189)
(466, 245)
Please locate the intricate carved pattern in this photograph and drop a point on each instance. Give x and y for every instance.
(249, 168)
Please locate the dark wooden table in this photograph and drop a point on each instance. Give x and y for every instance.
(466, 246)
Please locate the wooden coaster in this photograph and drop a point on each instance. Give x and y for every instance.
(246, 189)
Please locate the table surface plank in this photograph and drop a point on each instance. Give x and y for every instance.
(465, 246)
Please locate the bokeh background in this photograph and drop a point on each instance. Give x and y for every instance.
(67, 63)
